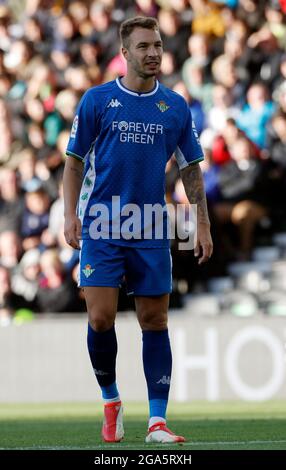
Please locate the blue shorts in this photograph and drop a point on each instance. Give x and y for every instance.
(146, 271)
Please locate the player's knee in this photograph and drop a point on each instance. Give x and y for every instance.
(100, 322)
(155, 321)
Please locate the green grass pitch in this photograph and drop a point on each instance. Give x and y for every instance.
(206, 426)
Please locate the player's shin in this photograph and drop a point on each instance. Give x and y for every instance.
(157, 361)
(102, 348)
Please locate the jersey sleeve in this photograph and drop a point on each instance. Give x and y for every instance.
(84, 128)
(189, 150)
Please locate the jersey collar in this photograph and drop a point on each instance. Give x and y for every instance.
(134, 93)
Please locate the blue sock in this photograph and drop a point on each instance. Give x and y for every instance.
(102, 348)
(157, 362)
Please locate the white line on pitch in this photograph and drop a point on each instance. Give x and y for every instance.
(134, 446)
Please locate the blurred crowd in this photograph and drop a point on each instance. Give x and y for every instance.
(226, 57)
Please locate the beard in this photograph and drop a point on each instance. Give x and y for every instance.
(142, 72)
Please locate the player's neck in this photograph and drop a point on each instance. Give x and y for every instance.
(138, 84)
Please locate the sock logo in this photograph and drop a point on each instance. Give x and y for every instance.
(164, 380)
(100, 372)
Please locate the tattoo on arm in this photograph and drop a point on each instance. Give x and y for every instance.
(194, 186)
(77, 172)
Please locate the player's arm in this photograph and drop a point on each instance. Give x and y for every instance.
(72, 180)
(83, 134)
(194, 186)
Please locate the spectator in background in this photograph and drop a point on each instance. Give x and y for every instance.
(277, 145)
(24, 280)
(276, 152)
(66, 33)
(115, 68)
(174, 35)
(222, 108)
(5, 83)
(17, 59)
(56, 291)
(79, 14)
(196, 108)
(62, 143)
(199, 50)
(36, 137)
(209, 168)
(222, 143)
(251, 13)
(265, 56)
(34, 33)
(9, 301)
(43, 85)
(35, 218)
(10, 249)
(5, 20)
(207, 18)
(224, 73)
(168, 73)
(11, 202)
(146, 8)
(61, 58)
(279, 96)
(193, 77)
(90, 50)
(275, 21)
(256, 113)
(235, 48)
(106, 31)
(5, 132)
(77, 78)
(243, 184)
(26, 166)
(282, 75)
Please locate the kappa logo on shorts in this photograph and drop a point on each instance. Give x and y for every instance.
(87, 271)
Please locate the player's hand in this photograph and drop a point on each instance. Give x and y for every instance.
(72, 231)
(204, 243)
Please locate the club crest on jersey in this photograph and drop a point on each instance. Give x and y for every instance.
(114, 103)
(87, 271)
(162, 106)
(74, 127)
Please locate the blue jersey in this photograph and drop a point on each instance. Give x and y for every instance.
(125, 139)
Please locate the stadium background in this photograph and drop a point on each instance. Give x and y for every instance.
(228, 58)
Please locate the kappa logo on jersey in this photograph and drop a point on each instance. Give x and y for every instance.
(164, 380)
(74, 127)
(87, 271)
(162, 106)
(114, 103)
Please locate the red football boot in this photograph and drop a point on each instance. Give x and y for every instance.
(160, 433)
(112, 429)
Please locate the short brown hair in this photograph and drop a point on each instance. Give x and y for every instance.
(129, 25)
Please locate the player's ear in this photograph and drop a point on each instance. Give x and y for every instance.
(125, 54)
